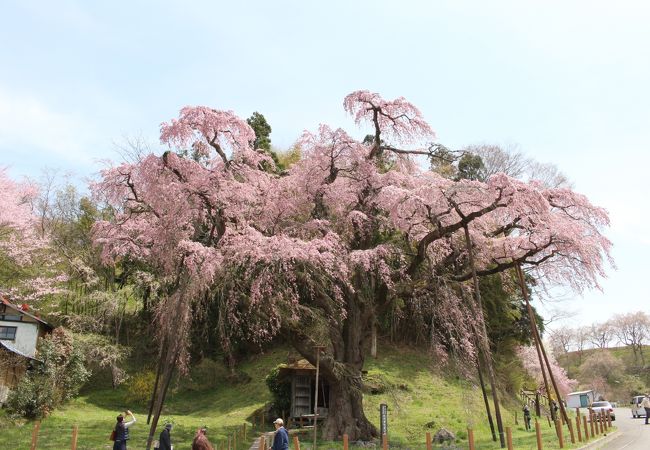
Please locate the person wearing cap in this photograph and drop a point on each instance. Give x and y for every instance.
(165, 440)
(646, 405)
(281, 438)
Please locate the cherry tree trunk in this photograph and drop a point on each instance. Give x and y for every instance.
(341, 365)
(346, 412)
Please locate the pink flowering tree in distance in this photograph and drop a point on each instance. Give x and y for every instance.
(528, 356)
(320, 253)
(28, 270)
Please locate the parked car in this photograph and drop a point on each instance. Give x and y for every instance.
(602, 408)
(637, 409)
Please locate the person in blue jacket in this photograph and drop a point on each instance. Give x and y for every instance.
(281, 438)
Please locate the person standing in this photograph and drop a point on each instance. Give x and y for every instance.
(201, 441)
(526, 417)
(281, 438)
(122, 431)
(165, 440)
(646, 405)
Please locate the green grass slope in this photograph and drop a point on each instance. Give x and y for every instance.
(418, 400)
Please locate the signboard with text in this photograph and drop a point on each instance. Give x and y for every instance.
(383, 419)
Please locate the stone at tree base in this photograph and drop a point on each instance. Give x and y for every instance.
(444, 435)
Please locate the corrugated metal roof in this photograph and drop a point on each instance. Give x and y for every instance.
(13, 349)
(22, 311)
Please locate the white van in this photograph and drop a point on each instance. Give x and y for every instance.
(637, 409)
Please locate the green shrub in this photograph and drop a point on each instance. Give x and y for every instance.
(140, 387)
(280, 389)
(54, 379)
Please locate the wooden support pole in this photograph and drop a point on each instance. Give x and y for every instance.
(538, 343)
(75, 433)
(538, 433)
(484, 392)
(470, 438)
(509, 438)
(262, 445)
(560, 435)
(578, 429)
(37, 427)
(586, 428)
(318, 348)
(345, 441)
(428, 441)
(536, 339)
(485, 344)
(384, 441)
(571, 433)
(296, 443)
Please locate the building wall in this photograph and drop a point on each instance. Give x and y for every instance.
(9, 377)
(26, 336)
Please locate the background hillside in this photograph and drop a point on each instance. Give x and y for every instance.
(614, 372)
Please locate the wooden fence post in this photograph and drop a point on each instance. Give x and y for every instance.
(345, 441)
(244, 431)
(428, 441)
(470, 438)
(75, 433)
(384, 441)
(584, 422)
(573, 437)
(509, 438)
(560, 435)
(609, 420)
(538, 433)
(601, 422)
(578, 428)
(37, 426)
(262, 445)
(296, 443)
(591, 424)
(234, 440)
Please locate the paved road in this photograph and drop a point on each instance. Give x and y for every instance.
(632, 433)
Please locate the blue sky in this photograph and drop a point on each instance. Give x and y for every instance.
(566, 81)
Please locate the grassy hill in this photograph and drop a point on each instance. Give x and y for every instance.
(418, 401)
(625, 378)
